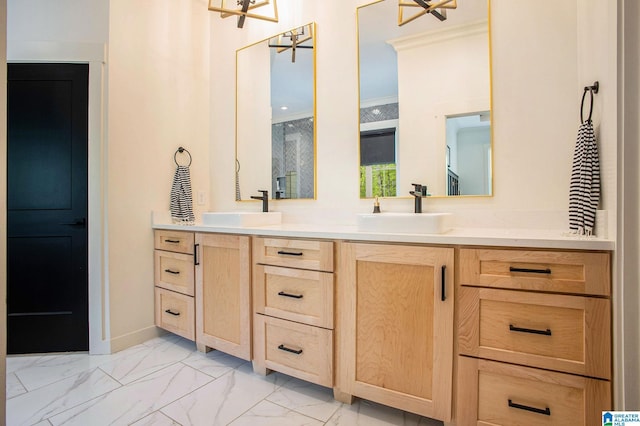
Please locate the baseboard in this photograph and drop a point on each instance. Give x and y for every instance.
(135, 338)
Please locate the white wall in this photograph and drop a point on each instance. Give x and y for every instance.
(61, 20)
(158, 101)
(473, 156)
(254, 104)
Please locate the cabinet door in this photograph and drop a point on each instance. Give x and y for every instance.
(395, 313)
(223, 301)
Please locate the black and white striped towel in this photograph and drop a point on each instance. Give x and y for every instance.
(584, 192)
(181, 198)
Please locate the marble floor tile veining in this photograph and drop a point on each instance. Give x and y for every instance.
(166, 382)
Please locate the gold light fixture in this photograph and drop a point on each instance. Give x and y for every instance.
(267, 10)
(418, 8)
(293, 40)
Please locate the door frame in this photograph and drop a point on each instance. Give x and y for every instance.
(95, 55)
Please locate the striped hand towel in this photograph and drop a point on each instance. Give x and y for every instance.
(584, 192)
(181, 198)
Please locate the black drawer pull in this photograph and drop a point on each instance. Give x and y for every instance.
(286, 349)
(546, 332)
(295, 296)
(289, 253)
(172, 241)
(530, 271)
(172, 272)
(443, 295)
(195, 254)
(170, 312)
(546, 411)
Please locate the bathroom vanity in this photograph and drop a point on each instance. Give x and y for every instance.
(466, 327)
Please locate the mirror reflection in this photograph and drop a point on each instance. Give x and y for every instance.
(275, 115)
(416, 81)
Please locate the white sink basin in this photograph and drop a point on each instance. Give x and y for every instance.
(405, 223)
(236, 219)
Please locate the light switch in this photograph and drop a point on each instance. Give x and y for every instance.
(201, 198)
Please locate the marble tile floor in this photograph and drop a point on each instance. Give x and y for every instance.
(165, 381)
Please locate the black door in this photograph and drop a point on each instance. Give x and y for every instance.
(47, 139)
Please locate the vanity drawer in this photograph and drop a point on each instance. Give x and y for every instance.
(295, 349)
(294, 294)
(555, 271)
(294, 253)
(174, 271)
(177, 241)
(175, 312)
(493, 393)
(556, 332)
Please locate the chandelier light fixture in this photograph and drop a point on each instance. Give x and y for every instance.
(295, 39)
(267, 10)
(408, 10)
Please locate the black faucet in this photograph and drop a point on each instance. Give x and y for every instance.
(265, 199)
(418, 192)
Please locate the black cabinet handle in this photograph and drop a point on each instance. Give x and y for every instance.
(77, 222)
(286, 349)
(546, 411)
(172, 272)
(170, 312)
(295, 296)
(546, 332)
(443, 296)
(530, 271)
(289, 253)
(195, 254)
(172, 241)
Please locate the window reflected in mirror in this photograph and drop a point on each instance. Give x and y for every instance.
(378, 163)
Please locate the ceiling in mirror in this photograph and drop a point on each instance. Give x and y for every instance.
(275, 116)
(413, 78)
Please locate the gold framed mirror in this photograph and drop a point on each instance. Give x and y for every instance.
(276, 115)
(417, 83)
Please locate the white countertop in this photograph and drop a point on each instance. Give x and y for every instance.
(531, 238)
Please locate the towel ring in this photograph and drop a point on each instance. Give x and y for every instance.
(591, 89)
(181, 150)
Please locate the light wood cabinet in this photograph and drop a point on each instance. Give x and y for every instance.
(294, 253)
(223, 293)
(174, 282)
(174, 241)
(293, 297)
(296, 349)
(552, 331)
(550, 271)
(534, 337)
(395, 326)
(175, 313)
(496, 393)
